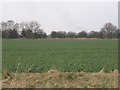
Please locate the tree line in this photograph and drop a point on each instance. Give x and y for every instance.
(11, 30)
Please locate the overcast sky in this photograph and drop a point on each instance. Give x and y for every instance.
(62, 16)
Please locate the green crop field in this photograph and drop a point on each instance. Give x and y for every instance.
(71, 55)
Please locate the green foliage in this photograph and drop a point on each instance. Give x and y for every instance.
(54, 34)
(82, 34)
(66, 55)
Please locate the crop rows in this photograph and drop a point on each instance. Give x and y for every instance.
(66, 55)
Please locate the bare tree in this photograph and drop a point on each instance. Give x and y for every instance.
(34, 26)
(9, 29)
(108, 30)
(32, 30)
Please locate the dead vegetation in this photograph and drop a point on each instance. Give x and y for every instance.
(56, 79)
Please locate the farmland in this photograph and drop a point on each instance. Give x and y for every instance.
(73, 55)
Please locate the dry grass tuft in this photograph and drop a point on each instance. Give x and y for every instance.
(56, 79)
